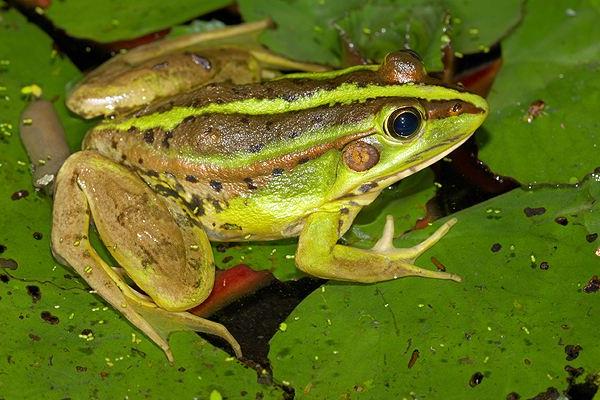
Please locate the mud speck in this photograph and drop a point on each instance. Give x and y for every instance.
(593, 285)
(8, 263)
(591, 237)
(49, 318)
(476, 379)
(34, 337)
(550, 394)
(34, 292)
(4, 278)
(513, 396)
(413, 358)
(572, 351)
(496, 247)
(531, 212)
(20, 194)
(38, 235)
(2, 248)
(79, 368)
(561, 221)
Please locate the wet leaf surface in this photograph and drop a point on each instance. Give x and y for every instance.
(551, 57)
(504, 329)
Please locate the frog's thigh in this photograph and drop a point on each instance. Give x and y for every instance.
(169, 260)
(159, 248)
(319, 254)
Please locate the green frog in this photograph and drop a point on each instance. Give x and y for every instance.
(295, 156)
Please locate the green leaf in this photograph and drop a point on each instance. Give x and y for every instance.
(510, 319)
(378, 27)
(552, 56)
(59, 338)
(111, 20)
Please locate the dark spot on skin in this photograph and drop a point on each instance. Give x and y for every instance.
(244, 120)
(476, 379)
(191, 178)
(561, 221)
(165, 191)
(4, 278)
(572, 351)
(513, 396)
(530, 212)
(221, 247)
(20, 194)
(544, 265)
(217, 205)
(80, 368)
(255, 148)
(268, 125)
(195, 205)
(189, 119)
(231, 227)
(113, 144)
(226, 259)
(2, 248)
(216, 185)
(290, 97)
(132, 129)
(593, 285)
(38, 235)
(344, 211)
(123, 157)
(8, 263)
(277, 172)
(34, 292)
(149, 136)
(250, 183)
(49, 318)
(293, 134)
(165, 142)
(303, 161)
(591, 237)
(365, 187)
(496, 247)
(201, 61)
(159, 66)
(152, 173)
(413, 358)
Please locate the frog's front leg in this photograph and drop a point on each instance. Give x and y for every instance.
(157, 245)
(319, 254)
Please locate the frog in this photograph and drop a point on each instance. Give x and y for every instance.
(295, 156)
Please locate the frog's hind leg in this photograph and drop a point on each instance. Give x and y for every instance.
(155, 243)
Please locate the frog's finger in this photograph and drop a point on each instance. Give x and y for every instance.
(318, 254)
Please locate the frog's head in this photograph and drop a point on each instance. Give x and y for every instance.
(416, 120)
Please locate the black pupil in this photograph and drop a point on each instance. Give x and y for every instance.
(406, 123)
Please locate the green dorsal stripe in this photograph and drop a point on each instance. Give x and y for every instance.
(346, 93)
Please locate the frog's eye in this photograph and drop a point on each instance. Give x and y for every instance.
(403, 123)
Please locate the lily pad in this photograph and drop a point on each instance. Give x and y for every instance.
(511, 326)
(551, 57)
(378, 27)
(63, 338)
(111, 20)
